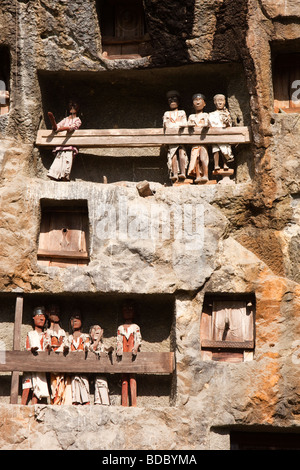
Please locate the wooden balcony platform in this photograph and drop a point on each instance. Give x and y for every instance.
(147, 137)
(17, 361)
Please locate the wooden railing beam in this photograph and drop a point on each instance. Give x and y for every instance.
(81, 362)
(147, 137)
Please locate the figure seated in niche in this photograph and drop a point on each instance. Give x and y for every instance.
(221, 118)
(177, 156)
(35, 383)
(97, 347)
(129, 339)
(64, 155)
(199, 159)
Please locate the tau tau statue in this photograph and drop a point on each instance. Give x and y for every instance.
(177, 156)
(97, 347)
(199, 159)
(128, 340)
(79, 341)
(4, 101)
(221, 118)
(64, 155)
(56, 341)
(35, 383)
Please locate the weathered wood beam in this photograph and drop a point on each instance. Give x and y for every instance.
(80, 362)
(206, 343)
(14, 387)
(148, 137)
(62, 254)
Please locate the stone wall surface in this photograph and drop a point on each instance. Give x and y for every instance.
(245, 236)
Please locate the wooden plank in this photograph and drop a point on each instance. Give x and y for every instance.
(149, 131)
(14, 388)
(67, 209)
(293, 78)
(294, 110)
(205, 343)
(281, 88)
(62, 254)
(18, 323)
(101, 138)
(136, 142)
(77, 362)
(205, 322)
(226, 356)
(240, 326)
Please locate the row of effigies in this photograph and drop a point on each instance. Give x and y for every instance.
(179, 165)
(197, 166)
(66, 389)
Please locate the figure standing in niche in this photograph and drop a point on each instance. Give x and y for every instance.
(97, 347)
(199, 160)
(177, 156)
(64, 155)
(129, 339)
(35, 383)
(79, 341)
(221, 118)
(56, 341)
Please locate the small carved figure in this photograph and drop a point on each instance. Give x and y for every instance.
(56, 341)
(36, 383)
(221, 118)
(199, 160)
(177, 156)
(79, 341)
(97, 347)
(4, 101)
(64, 155)
(129, 339)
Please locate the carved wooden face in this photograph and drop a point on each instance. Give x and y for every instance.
(219, 101)
(199, 103)
(39, 320)
(128, 312)
(75, 322)
(73, 108)
(54, 314)
(96, 333)
(173, 102)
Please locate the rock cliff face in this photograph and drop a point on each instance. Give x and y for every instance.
(169, 250)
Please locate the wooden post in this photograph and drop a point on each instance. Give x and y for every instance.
(14, 391)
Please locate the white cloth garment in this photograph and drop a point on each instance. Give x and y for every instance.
(173, 120)
(221, 119)
(37, 382)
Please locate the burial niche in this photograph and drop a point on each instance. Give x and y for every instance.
(286, 83)
(227, 329)
(4, 80)
(123, 29)
(64, 234)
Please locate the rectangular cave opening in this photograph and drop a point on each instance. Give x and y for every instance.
(136, 99)
(154, 314)
(5, 85)
(275, 439)
(64, 233)
(227, 327)
(123, 29)
(285, 56)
